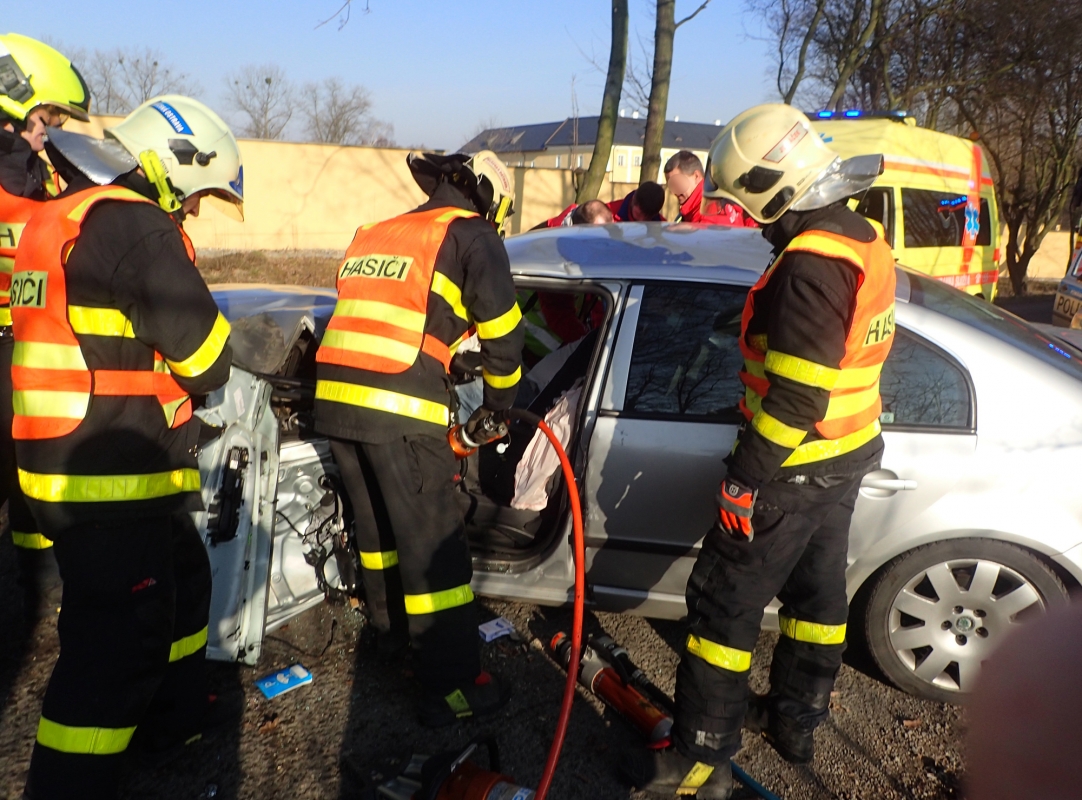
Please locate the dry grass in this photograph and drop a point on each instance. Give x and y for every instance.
(311, 268)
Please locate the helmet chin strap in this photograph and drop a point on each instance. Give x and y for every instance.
(155, 172)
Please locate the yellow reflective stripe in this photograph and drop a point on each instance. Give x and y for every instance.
(446, 288)
(48, 356)
(100, 321)
(801, 370)
(372, 344)
(84, 741)
(774, 430)
(377, 561)
(5, 313)
(811, 632)
(459, 704)
(438, 601)
(826, 246)
(116, 193)
(695, 779)
(501, 326)
(756, 368)
(7, 265)
(203, 358)
(719, 655)
(829, 448)
(858, 377)
(107, 488)
(383, 400)
(382, 312)
(455, 213)
(502, 381)
(845, 405)
(30, 541)
(188, 645)
(46, 403)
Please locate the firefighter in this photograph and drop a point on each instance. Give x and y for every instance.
(115, 330)
(815, 332)
(409, 290)
(684, 179)
(38, 88)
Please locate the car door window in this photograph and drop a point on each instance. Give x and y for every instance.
(878, 205)
(686, 354)
(939, 219)
(922, 387)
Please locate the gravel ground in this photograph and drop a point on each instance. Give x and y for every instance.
(316, 741)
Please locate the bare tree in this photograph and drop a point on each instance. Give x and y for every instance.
(122, 78)
(610, 105)
(339, 114)
(265, 98)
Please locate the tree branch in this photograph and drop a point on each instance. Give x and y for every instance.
(694, 13)
(342, 14)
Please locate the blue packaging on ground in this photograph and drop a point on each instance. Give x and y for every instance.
(284, 680)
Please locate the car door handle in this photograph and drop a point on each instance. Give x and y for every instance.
(888, 484)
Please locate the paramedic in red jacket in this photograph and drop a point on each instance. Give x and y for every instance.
(684, 179)
(641, 205)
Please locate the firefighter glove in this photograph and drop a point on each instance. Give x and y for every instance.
(485, 426)
(736, 503)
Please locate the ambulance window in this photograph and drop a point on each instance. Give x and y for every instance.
(922, 387)
(686, 355)
(877, 205)
(938, 219)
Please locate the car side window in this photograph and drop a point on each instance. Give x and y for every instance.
(922, 387)
(878, 204)
(686, 354)
(940, 219)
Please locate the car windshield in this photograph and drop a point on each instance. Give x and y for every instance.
(994, 321)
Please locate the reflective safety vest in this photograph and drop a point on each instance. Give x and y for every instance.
(15, 212)
(52, 385)
(852, 415)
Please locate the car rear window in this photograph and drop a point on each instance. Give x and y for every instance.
(938, 219)
(995, 322)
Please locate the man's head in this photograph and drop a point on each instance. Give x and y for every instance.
(647, 201)
(592, 212)
(39, 88)
(683, 172)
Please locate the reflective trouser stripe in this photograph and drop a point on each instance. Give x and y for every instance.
(383, 400)
(812, 632)
(207, 353)
(376, 561)
(502, 381)
(107, 488)
(187, 646)
(30, 541)
(774, 430)
(438, 601)
(695, 779)
(84, 741)
(719, 655)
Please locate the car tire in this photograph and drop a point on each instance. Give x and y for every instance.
(932, 616)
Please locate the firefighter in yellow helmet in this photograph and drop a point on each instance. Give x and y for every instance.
(115, 330)
(815, 332)
(410, 290)
(39, 87)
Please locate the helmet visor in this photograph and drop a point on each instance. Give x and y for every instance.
(225, 203)
(840, 180)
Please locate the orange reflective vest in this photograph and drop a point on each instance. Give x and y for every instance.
(52, 385)
(15, 212)
(383, 288)
(852, 416)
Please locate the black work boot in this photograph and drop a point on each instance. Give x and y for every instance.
(484, 696)
(668, 773)
(792, 741)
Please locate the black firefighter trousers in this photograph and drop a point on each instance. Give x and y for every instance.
(415, 560)
(133, 638)
(798, 554)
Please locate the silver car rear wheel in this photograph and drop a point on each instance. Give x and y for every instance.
(937, 613)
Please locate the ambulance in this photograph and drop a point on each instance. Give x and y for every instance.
(935, 198)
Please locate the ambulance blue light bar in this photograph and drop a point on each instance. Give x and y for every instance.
(855, 113)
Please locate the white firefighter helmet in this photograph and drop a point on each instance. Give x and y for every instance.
(770, 159)
(193, 146)
(493, 183)
(482, 178)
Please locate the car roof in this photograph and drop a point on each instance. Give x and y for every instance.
(642, 251)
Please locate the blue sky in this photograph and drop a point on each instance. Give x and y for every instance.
(435, 70)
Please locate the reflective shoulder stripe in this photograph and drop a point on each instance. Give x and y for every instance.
(383, 400)
(827, 246)
(204, 357)
(110, 193)
(774, 430)
(801, 370)
(501, 326)
(438, 601)
(718, 654)
(377, 561)
(811, 632)
(107, 488)
(100, 322)
(84, 741)
(30, 541)
(188, 645)
(502, 381)
(829, 448)
(455, 213)
(695, 779)
(446, 288)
